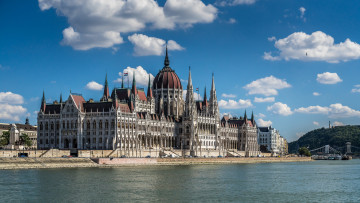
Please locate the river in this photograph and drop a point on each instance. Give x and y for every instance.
(318, 181)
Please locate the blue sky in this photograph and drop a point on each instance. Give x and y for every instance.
(278, 52)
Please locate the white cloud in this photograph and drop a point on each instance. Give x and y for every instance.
(195, 95)
(316, 123)
(11, 98)
(141, 76)
(266, 99)
(260, 122)
(232, 104)
(328, 78)
(98, 23)
(302, 13)
(280, 109)
(333, 111)
(234, 2)
(9, 106)
(313, 110)
(94, 86)
(232, 21)
(11, 112)
(269, 57)
(90, 40)
(338, 123)
(260, 115)
(266, 86)
(145, 46)
(228, 95)
(315, 47)
(273, 38)
(356, 89)
(183, 81)
(316, 93)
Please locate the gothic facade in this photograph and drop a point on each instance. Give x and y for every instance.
(133, 121)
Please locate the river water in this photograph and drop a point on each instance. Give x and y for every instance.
(318, 181)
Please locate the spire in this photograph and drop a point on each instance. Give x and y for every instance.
(106, 89)
(122, 81)
(149, 91)
(252, 117)
(205, 97)
(115, 101)
(245, 116)
(189, 80)
(213, 83)
(166, 61)
(60, 97)
(43, 102)
(134, 90)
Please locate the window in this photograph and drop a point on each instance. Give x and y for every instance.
(46, 126)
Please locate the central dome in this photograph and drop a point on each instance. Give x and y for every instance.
(167, 78)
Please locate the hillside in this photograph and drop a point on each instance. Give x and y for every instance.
(335, 137)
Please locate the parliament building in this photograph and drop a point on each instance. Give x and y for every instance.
(133, 122)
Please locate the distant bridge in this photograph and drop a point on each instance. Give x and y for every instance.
(327, 149)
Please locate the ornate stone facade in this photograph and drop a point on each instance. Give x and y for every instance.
(132, 121)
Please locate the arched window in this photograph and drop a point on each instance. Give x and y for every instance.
(46, 126)
(106, 124)
(100, 124)
(67, 124)
(94, 124)
(41, 125)
(88, 125)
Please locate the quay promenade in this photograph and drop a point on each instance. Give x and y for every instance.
(44, 162)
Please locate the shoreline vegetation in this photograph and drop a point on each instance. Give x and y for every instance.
(42, 163)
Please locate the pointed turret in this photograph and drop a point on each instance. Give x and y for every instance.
(149, 90)
(189, 80)
(189, 101)
(27, 121)
(61, 98)
(252, 117)
(122, 81)
(106, 90)
(43, 103)
(166, 61)
(205, 102)
(115, 100)
(213, 100)
(245, 116)
(213, 83)
(134, 90)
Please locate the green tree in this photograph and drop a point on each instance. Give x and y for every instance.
(25, 140)
(5, 138)
(304, 151)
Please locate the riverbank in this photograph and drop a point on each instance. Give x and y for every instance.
(31, 163)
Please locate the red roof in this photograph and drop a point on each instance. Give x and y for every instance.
(78, 99)
(142, 95)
